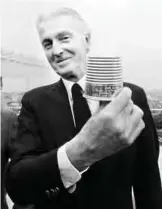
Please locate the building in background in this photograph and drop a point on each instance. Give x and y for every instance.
(22, 72)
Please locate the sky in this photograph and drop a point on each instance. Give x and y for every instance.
(131, 29)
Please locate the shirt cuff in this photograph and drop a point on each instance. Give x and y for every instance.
(69, 174)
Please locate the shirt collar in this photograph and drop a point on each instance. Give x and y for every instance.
(69, 84)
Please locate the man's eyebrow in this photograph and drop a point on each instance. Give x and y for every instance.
(59, 35)
(63, 33)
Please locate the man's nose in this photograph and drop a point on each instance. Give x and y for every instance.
(57, 48)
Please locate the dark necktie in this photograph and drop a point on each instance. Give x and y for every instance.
(80, 107)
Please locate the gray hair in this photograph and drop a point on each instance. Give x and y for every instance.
(64, 11)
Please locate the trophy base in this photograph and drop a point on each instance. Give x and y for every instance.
(98, 98)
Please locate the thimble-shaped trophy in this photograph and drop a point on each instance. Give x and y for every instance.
(103, 78)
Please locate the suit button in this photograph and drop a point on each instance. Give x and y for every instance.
(57, 190)
(54, 192)
(47, 193)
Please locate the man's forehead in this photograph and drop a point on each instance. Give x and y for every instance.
(64, 23)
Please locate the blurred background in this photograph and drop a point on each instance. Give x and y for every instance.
(131, 29)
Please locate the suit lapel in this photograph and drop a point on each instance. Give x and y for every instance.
(59, 97)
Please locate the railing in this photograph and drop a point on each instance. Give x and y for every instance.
(156, 113)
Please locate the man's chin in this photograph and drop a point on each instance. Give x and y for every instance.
(70, 77)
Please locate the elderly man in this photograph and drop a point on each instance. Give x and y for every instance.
(70, 152)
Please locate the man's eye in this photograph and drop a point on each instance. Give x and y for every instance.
(47, 44)
(65, 38)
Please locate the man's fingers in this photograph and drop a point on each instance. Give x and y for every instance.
(120, 101)
(135, 123)
(136, 132)
(117, 92)
(136, 115)
(127, 111)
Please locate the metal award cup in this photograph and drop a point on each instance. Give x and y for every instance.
(103, 78)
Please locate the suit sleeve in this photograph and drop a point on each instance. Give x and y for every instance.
(33, 175)
(147, 183)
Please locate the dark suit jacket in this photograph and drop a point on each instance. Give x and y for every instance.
(46, 123)
(8, 123)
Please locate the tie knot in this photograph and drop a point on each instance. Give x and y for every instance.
(76, 90)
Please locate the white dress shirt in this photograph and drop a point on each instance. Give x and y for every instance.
(69, 174)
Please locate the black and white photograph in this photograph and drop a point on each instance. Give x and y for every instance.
(81, 104)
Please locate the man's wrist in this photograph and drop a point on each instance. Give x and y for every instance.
(76, 153)
(69, 174)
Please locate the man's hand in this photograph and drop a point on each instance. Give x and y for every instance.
(113, 128)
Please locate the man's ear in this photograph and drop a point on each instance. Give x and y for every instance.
(88, 41)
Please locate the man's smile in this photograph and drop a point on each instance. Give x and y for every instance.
(62, 60)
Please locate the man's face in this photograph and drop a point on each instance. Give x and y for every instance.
(66, 46)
